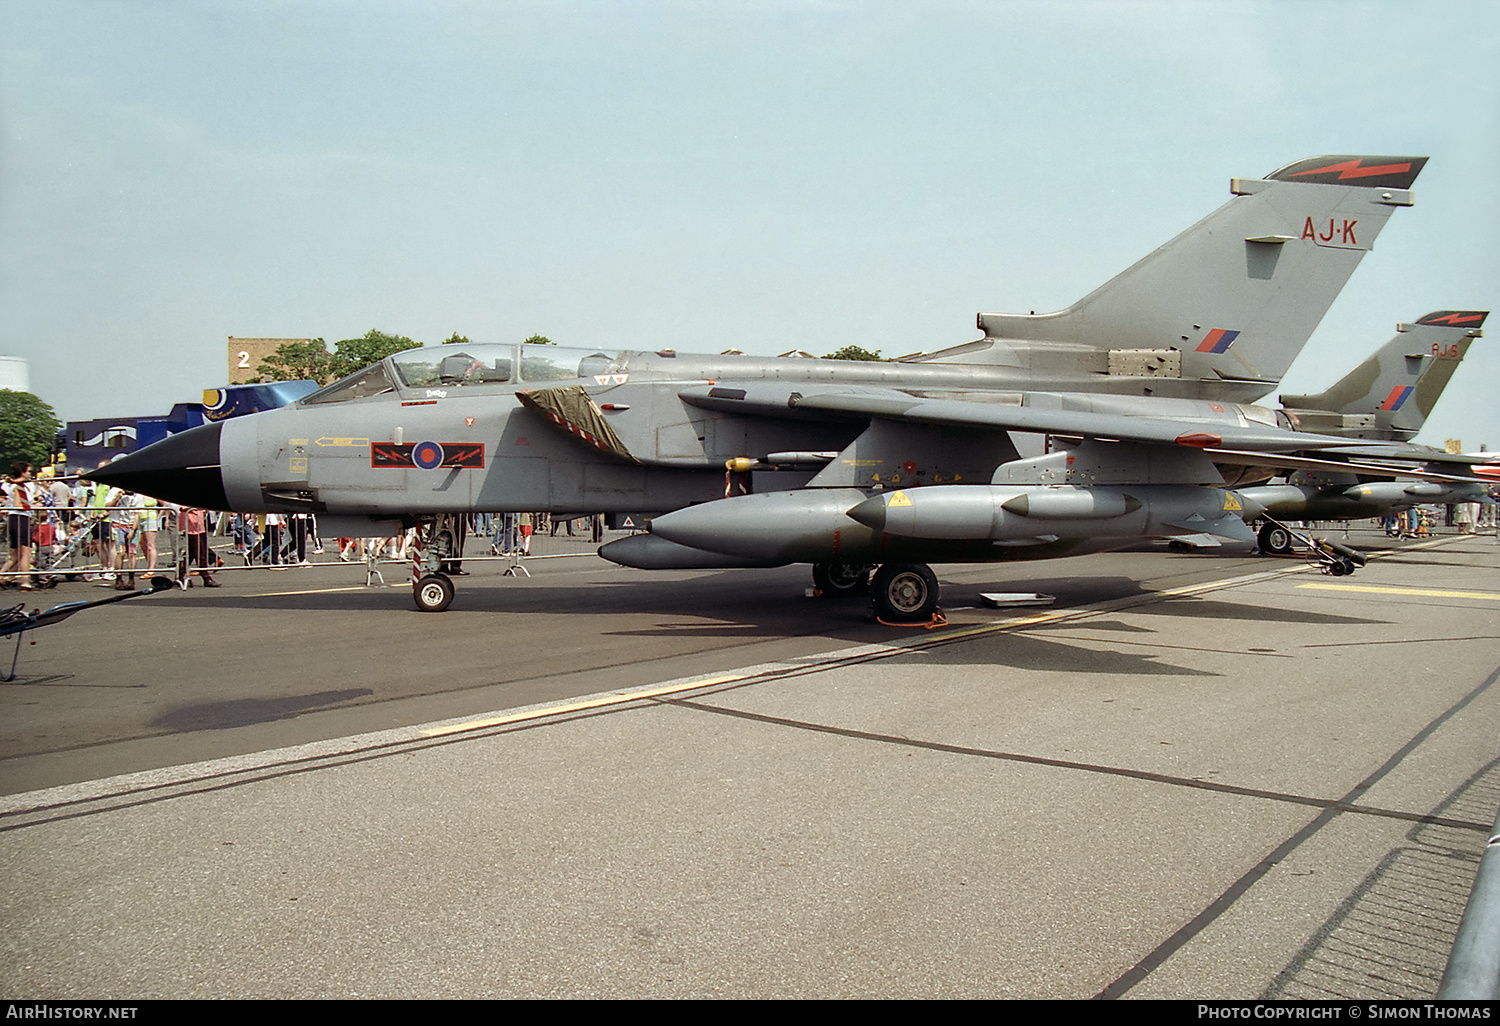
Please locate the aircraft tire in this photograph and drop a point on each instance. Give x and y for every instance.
(432, 593)
(1275, 539)
(838, 580)
(905, 592)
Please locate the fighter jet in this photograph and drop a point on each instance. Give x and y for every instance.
(1385, 399)
(1388, 397)
(995, 450)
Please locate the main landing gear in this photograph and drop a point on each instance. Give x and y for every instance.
(904, 592)
(900, 592)
(841, 579)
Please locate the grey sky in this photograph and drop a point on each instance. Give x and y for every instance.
(764, 176)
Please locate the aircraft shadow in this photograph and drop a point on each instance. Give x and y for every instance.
(1118, 626)
(1024, 652)
(245, 712)
(1210, 609)
(1069, 591)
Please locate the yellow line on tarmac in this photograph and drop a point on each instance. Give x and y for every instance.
(1490, 596)
(1193, 589)
(593, 703)
(308, 591)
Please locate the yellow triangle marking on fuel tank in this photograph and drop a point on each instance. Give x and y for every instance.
(899, 499)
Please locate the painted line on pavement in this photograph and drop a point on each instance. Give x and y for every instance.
(593, 703)
(1416, 592)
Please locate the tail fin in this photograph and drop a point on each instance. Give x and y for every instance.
(1229, 303)
(1392, 393)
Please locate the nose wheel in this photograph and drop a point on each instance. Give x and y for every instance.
(432, 593)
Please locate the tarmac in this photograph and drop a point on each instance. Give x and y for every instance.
(1195, 776)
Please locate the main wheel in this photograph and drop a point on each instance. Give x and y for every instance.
(1275, 539)
(840, 579)
(905, 592)
(432, 593)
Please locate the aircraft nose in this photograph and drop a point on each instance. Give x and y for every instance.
(181, 468)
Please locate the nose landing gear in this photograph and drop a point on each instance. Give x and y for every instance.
(432, 593)
(439, 547)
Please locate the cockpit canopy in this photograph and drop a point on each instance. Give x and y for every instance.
(447, 366)
(465, 366)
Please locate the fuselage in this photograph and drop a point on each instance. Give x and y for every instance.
(353, 447)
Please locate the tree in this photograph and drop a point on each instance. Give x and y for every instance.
(456, 339)
(293, 361)
(28, 428)
(538, 340)
(352, 354)
(856, 353)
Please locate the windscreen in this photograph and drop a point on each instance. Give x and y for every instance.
(373, 380)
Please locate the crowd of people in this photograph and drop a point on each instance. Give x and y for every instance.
(1418, 521)
(50, 519)
(54, 520)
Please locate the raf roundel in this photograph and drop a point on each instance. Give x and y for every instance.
(427, 455)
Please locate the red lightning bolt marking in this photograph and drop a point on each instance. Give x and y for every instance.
(1351, 169)
(1454, 318)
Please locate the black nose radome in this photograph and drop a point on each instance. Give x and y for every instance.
(181, 468)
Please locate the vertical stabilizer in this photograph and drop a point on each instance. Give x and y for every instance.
(1393, 392)
(1231, 301)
